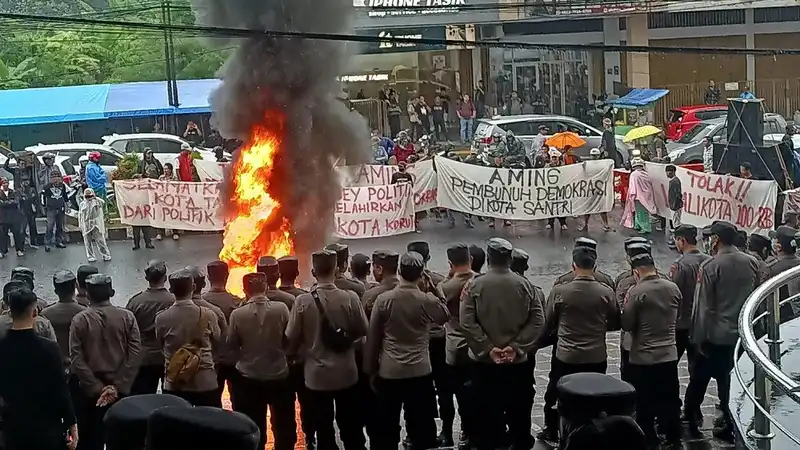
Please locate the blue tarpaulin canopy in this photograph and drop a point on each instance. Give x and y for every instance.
(639, 97)
(100, 101)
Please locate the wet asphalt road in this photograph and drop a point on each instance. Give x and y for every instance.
(550, 256)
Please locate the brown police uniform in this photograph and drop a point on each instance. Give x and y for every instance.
(224, 357)
(683, 272)
(276, 295)
(176, 327)
(330, 376)
(294, 290)
(388, 283)
(82, 299)
(599, 275)
(349, 284)
(145, 306)
(256, 332)
(60, 315)
(650, 315)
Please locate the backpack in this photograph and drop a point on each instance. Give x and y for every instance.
(185, 362)
(333, 337)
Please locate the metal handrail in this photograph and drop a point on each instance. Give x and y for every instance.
(767, 371)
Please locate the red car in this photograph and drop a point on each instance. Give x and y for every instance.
(682, 119)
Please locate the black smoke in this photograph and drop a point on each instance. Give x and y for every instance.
(290, 85)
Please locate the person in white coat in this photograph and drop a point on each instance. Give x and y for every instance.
(92, 222)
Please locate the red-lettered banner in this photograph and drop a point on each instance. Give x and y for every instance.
(374, 211)
(748, 204)
(169, 204)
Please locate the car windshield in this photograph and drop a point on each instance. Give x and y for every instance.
(697, 132)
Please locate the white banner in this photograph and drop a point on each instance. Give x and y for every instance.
(526, 194)
(209, 170)
(707, 197)
(374, 211)
(422, 174)
(169, 204)
(791, 203)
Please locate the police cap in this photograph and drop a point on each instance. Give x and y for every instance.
(412, 259)
(784, 234)
(324, 258)
(360, 259)
(155, 267)
(499, 245)
(217, 269)
(420, 247)
(519, 254)
(268, 265)
(643, 260)
(639, 249)
(288, 265)
(342, 252)
(200, 428)
(586, 242)
(20, 270)
(11, 286)
(24, 277)
(380, 257)
(707, 232)
(458, 252)
(125, 422)
(250, 280)
(84, 271)
(635, 240)
(63, 276)
(179, 275)
(726, 231)
(197, 273)
(98, 279)
(758, 242)
(686, 231)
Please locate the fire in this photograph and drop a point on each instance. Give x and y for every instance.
(256, 226)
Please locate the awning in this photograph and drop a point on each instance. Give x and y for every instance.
(52, 105)
(639, 97)
(151, 98)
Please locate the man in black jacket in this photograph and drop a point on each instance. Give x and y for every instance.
(54, 199)
(10, 219)
(675, 200)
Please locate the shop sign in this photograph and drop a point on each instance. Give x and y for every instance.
(596, 7)
(363, 77)
(390, 8)
(391, 46)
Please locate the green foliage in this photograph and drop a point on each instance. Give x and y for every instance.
(47, 54)
(127, 167)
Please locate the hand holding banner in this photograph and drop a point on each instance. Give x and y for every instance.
(374, 211)
(169, 204)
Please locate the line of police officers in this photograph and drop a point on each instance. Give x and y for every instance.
(419, 339)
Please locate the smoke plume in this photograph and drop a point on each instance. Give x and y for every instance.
(290, 86)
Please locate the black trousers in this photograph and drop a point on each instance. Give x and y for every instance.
(146, 381)
(441, 381)
(394, 125)
(298, 381)
(503, 400)
(657, 396)
(89, 418)
(347, 404)
(145, 233)
(439, 130)
(198, 398)
(418, 398)
(30, 223)
(624, 357)
(460, 381)
(684, 345)
(714, 361)
(16, 231)
(253, 397)
(561, 220)
(225, 373)
(368, 404)
(560, 369)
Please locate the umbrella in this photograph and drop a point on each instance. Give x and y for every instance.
(641, 132)
(563, 139)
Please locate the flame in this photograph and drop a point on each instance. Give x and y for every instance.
(256, 226)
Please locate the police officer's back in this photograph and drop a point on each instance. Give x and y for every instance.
(683, 272)
(785, 247)
(342, 262)
(598, 274)
(61, 313)
(268, 265)
(384, 270)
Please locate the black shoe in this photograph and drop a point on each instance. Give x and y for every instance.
(136, 247)
(548, 434)
(47, 248)
(150, 246)
(445, 439)
(724, 433)
(61, 246)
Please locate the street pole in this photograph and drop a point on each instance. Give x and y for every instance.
(174, 77)
(167, 54)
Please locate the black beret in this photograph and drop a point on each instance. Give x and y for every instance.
(783, 232)
(639, 249)
(642, 260)
(421, 247)
(384, 257)
(126, 421)
(324, 257)
(98, 279)
(586, 242)
(19, 270)
(458, 251)
(63, 276)
(476, 252)
(155, 266)
(520, 255)
(288, 264)
(200, 428)
(635, 240)
(180, 275)
(685, 231)
(724, 230)
(360, 259)
(499, 245)
(412, 259)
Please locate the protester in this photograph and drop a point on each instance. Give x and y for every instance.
(712, 94)
(11, 220)
(46, 170)
(424, 114)
(746, 170)
(96, 177)
(403, 147)
(29, 189)
(641, 199)
(92, 223)
(393, 114)
(379, 153)
(595, 154)
(708, 155)
(168, 175)
(438, 115)
(746, 94)
(556, 161)
(37, 409)
(54, 199)
(608, 143)
(480, 100)
(193, 134)
(466, 115)
(185, 166)
(674, 202)
(150, 167)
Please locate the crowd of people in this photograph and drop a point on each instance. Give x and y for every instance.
(360, 351)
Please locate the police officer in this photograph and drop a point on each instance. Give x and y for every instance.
(579, 313)
(500, 334)
(105, 350)
(289, 269)
(61, 313)
(397, 358)
(384, 270)
(331, 376)
(444, 392)
(360, 267)
(683, 272)
(785, 246)
(598, 274)
(217, 295)
(519, 261)
(84, 271)
(760, 248)
(725, 282)
(268, 265)
(342, 261)
(219, 349)
(457, 352)
(705, 240)
(478, 256)
(626, 244)
(256, 332)
(649, 315)
(145, 306)
(186, 323)
(27, 275)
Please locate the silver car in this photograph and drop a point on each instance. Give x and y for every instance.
(526, 127)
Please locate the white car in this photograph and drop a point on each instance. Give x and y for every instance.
(108, 156)
(165, 147)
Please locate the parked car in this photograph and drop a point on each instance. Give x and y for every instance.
(682, 119)
(526, 127)
(165, 147)
(692, 152)
(108, 156)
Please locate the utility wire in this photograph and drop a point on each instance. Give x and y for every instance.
(247, 33)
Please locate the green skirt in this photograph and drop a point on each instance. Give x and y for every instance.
(641, 219)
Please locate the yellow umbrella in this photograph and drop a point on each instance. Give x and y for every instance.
(641, 132)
